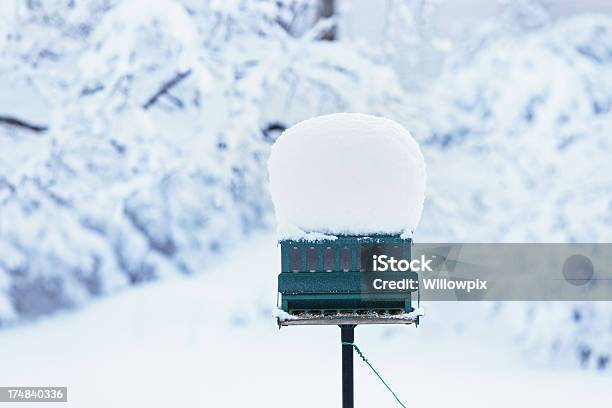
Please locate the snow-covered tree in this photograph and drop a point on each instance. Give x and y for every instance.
(134, 136)
(157, 118)
(533, 111)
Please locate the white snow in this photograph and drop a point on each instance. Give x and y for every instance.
(418, 312)
(346, 173)
(281, 315)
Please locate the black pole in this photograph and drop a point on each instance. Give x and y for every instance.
(347, 334)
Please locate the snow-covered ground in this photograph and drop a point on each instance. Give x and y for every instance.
(175, 343)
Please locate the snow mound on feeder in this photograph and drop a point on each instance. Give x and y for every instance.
(346, 174)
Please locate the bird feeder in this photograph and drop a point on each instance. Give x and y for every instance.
(347, 190)
(324, 282)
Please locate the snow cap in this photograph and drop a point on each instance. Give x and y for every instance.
(346, 174)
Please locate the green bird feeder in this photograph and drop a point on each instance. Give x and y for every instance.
(343, 185)
(331, 281)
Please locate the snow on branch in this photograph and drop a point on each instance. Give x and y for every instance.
(166, 87)
(13, 121)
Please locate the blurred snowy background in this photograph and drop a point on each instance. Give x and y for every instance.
(134, 136)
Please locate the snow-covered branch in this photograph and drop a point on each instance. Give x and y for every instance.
(166, 87)
(24, 124)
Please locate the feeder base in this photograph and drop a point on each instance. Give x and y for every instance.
(307, 319)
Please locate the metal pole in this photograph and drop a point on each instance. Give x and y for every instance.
(347, 334)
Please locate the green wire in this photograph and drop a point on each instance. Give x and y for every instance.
(345, 343)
